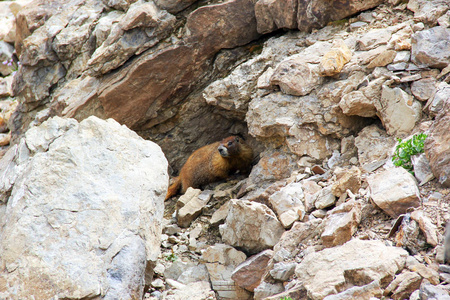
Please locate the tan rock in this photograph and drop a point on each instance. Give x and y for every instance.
(105, 25)
(403, 285)
(5, 86)
(427, 273)
(394, 191)
(341, 223)
(7, 108)
(401, 40)
(355, 263)
(191, 205)
(267, 289)
(398, 111)
(221, 260)
(264, 79)
(251, 226)
(282, 271)
(220, 215)
(184, 199)
(427, 12)
(234, 92)
(306, 140)
(273, 165)
(301, 232)
(288, 204)
(346, 179)
(367, 291)
(296, 76)
(374, 38)
(279, 115)
(6, 57)
(71, 99)
(427, 227)
(196, 291)
(373, 145)
(248, 275)
(357, 104)
(310, 188)
(324, 198)
(383, 59)
(334, 60)
(8, 25)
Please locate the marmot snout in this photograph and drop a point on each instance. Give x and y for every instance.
(211, 163)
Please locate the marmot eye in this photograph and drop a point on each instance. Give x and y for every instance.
(230, 143)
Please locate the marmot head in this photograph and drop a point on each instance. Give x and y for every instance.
(230, 146)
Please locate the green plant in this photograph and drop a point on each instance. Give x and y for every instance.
(171, 257)
(408, 148)
(286, 298)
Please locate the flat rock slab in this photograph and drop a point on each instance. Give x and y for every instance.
(356, 263)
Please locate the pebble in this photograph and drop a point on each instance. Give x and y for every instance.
(418, 27)
(355, 26)
(157, 283)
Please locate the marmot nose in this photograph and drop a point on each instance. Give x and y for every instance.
(223, 151)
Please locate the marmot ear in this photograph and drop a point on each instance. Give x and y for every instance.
(237, 139)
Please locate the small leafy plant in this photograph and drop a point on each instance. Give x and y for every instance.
(171, 257)
(286, 298)
(406, 149)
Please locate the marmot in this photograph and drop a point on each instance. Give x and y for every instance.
(211, 163)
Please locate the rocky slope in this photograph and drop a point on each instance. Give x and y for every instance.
(322, 92)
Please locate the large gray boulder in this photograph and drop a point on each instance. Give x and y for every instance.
(81, 209)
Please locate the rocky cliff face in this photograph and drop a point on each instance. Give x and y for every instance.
(321, 91)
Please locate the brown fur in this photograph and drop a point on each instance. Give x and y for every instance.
(207, 164)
